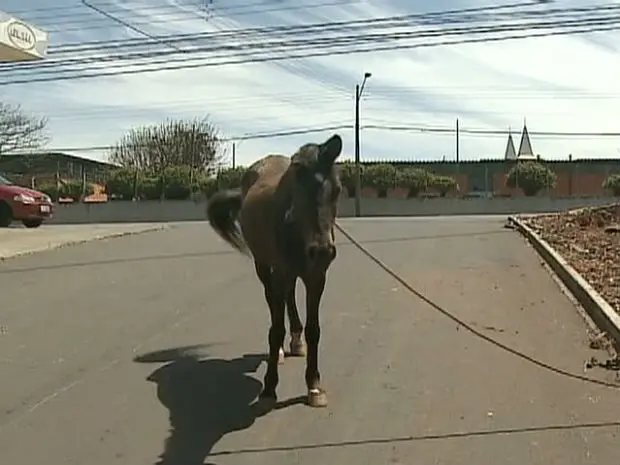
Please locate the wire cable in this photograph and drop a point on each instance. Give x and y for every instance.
(165, 14)
(339, 127)
(445, 17)
(319, 51)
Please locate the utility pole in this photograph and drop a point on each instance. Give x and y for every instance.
(458, 150)
(234, 155)
(457, 141)
(358, 176)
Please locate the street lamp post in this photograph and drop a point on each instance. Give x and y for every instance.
(358, 177)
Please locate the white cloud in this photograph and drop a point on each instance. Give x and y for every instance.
(559, 84)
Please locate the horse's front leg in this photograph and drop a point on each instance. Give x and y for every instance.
(296, 328)
(315, 285)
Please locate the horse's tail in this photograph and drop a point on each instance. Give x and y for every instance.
(222, 212)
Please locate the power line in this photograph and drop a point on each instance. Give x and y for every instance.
(76, 14)
(320, 47)
(348, 26)
(176, 16)
(445, 18)
(519, 10)
(340, 127)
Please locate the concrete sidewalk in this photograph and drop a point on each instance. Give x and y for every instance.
(19, 241)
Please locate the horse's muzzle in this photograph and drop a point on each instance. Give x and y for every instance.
(321, 254)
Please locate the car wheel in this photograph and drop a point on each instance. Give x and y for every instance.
(6, 215)
(32, 223)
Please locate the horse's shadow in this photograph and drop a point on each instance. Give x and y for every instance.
(206, 399)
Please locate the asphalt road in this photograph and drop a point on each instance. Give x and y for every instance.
(405, 385)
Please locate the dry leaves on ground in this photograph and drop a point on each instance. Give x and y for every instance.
(589, 239)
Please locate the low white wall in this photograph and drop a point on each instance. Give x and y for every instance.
(167, 211)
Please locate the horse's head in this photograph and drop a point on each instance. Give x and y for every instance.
(314, 199)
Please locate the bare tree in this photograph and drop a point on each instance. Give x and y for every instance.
(194, 143)
(20, 131)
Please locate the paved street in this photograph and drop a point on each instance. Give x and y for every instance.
(405, 385)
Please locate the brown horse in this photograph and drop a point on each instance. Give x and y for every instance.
(286, 208)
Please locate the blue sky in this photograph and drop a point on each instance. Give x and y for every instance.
(567, 83)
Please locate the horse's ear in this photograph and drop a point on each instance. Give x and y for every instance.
(331, 149)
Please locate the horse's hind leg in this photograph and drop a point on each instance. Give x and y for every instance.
(265, 275)
(296, 328)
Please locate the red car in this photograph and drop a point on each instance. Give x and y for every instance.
(23, 204)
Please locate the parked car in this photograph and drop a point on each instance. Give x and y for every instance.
(19, 203)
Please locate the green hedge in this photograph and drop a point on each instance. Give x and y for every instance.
(177, 184)
(66, 190)
(531, 177)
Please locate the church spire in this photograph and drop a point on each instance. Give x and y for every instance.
(525, 147)
(510, 153)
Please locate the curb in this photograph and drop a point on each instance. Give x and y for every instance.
(601, 313)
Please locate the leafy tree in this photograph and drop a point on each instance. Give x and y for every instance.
(20, 131)
(192, 143)
(381, 177)
(416, 180)
(531, 177)
(443, 184)
(612, 183)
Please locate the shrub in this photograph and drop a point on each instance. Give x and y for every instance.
(49, 189)
(177, 184)
(207, 186)
(531, 177)
(73, 190)
(612, 183)
(347, 176)
(443, 184)
(381, 177)
(415, 180)
(150, 188)
(120, 183)
(230, 178)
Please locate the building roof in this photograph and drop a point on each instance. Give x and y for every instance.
(48, 156)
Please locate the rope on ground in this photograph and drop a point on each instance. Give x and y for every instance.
(467, 326)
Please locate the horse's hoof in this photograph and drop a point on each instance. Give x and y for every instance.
(264, 405)
(281, 356)
(298, 348)
(317, 398)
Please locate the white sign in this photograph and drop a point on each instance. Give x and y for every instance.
(21, 35)
(20, 41)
